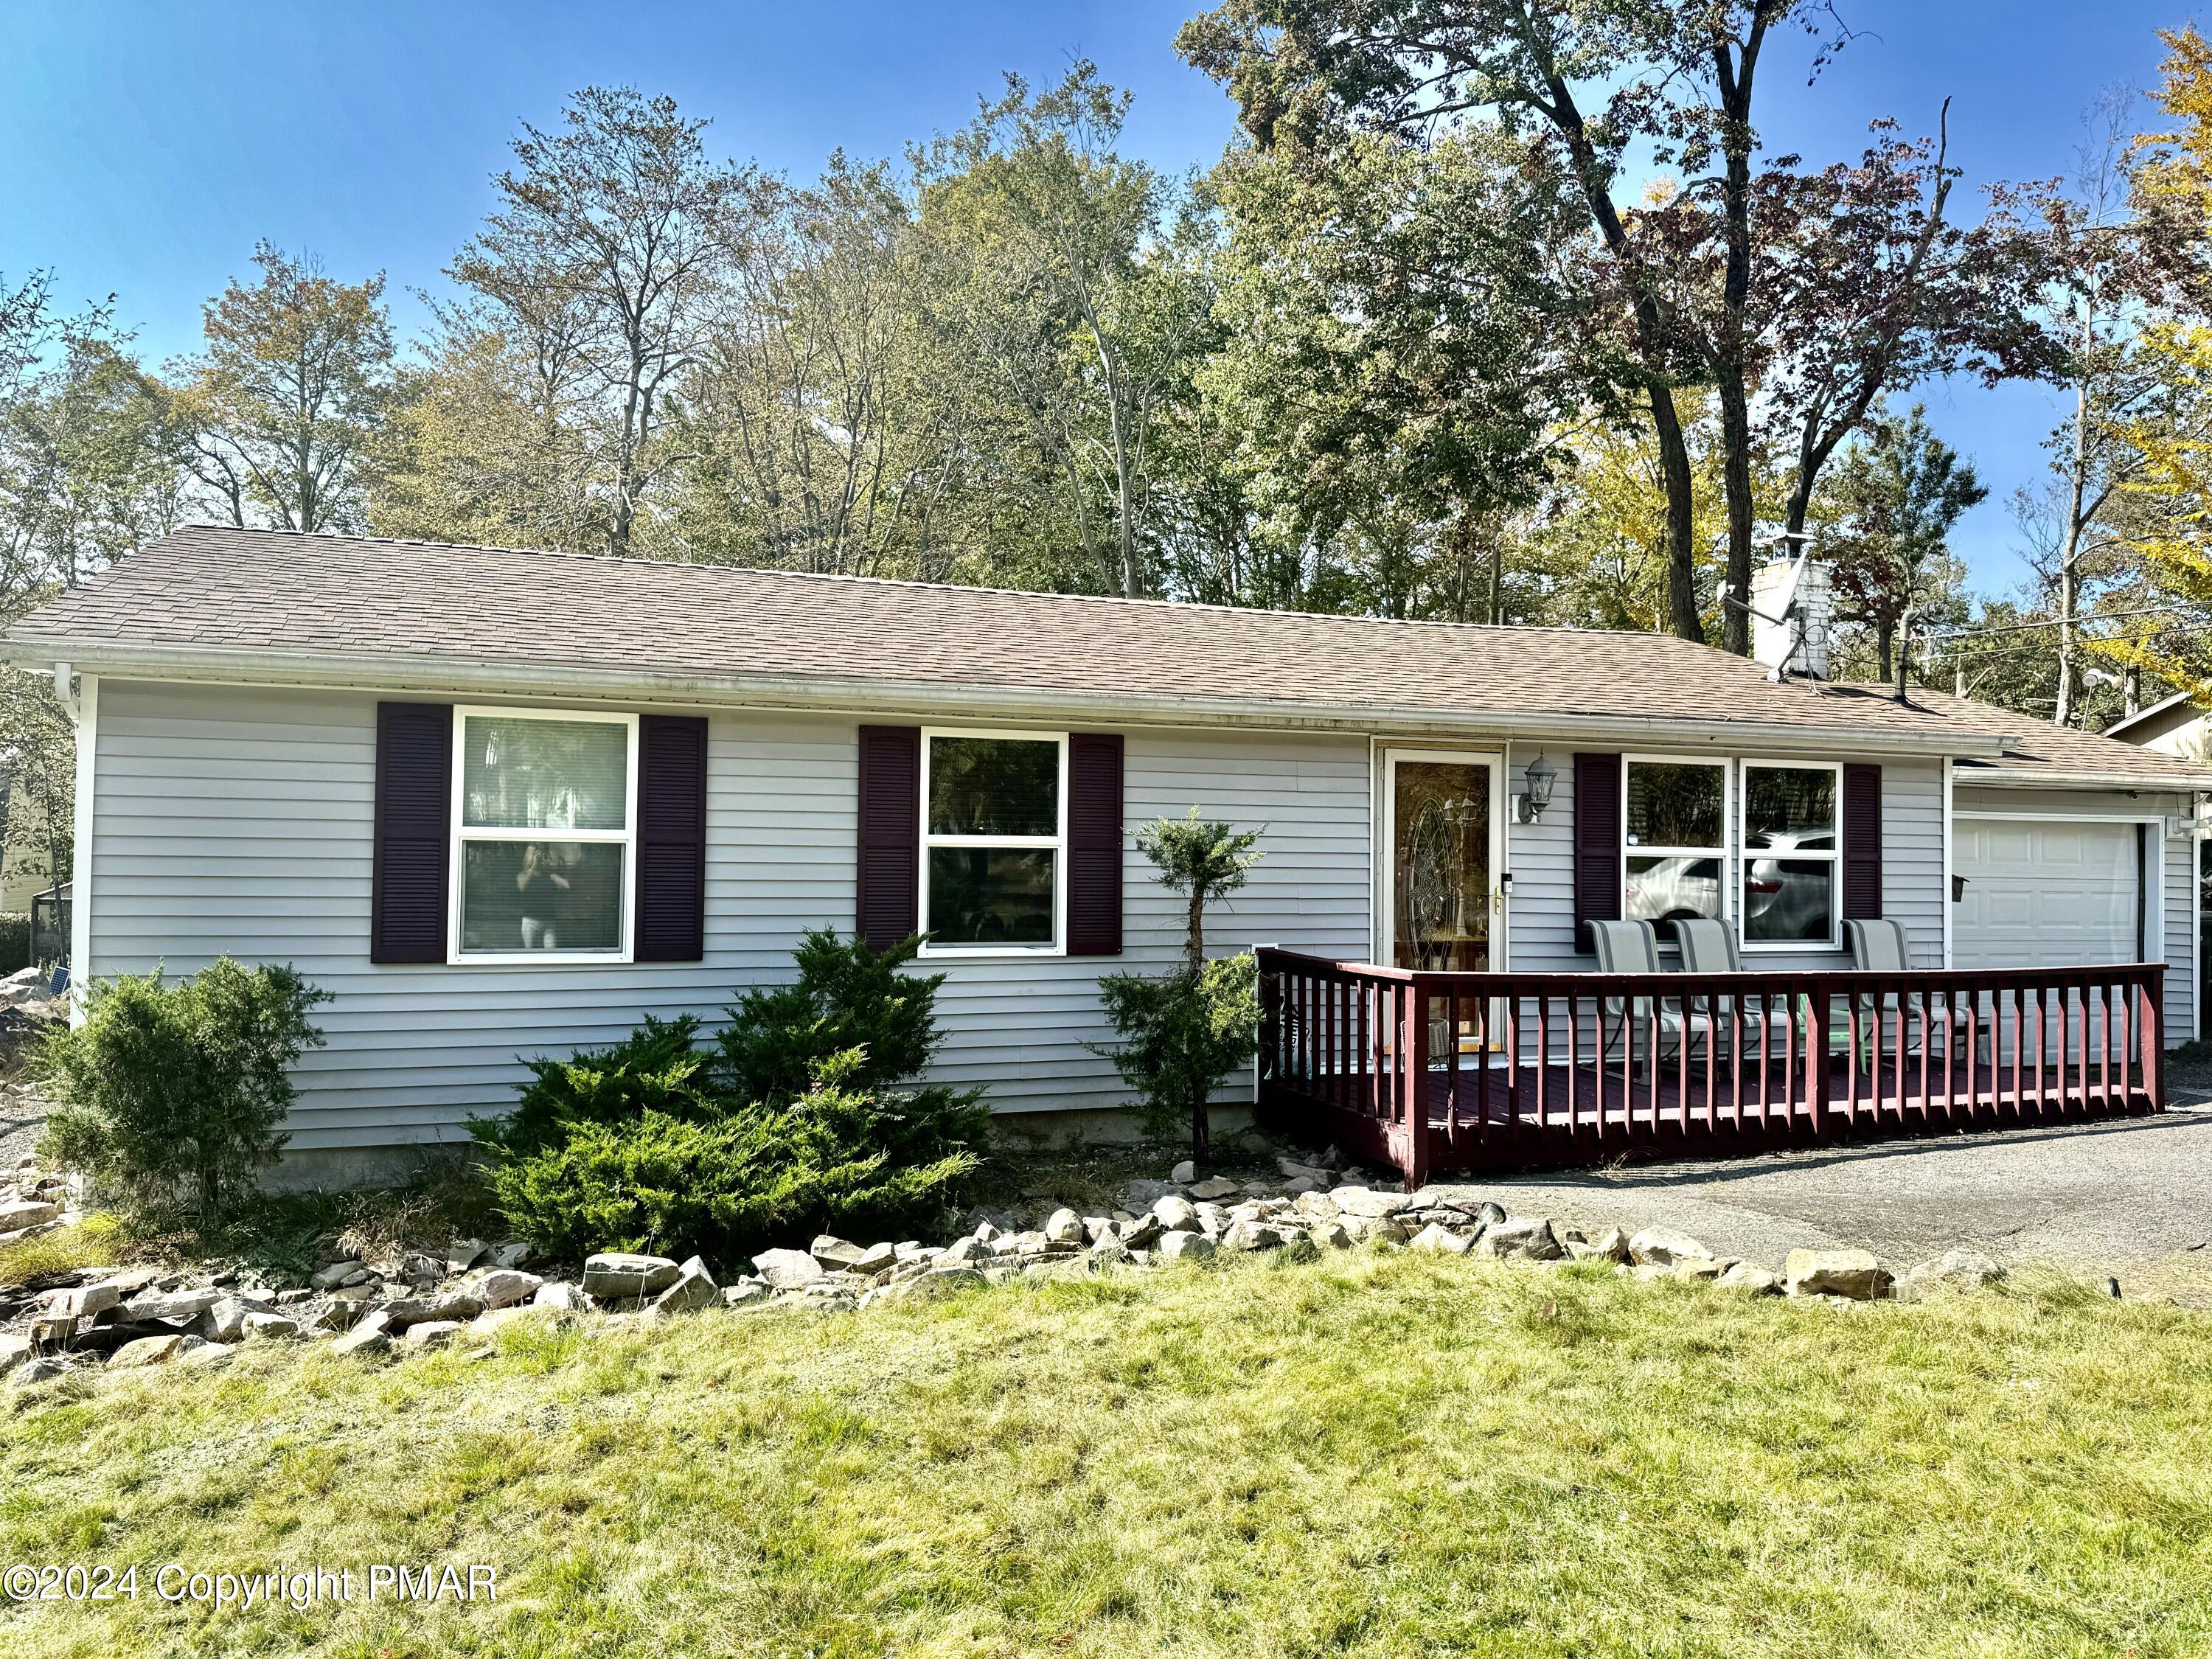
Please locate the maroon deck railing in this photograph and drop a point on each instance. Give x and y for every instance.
(1435, 1072)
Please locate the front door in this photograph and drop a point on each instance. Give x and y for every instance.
(1440, 904)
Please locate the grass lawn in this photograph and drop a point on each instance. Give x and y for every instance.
(1374, 1454)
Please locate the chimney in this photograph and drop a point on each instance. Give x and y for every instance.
(1791, 608)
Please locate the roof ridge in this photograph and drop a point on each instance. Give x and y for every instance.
(947, 588)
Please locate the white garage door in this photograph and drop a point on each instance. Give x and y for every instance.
(2043, 893)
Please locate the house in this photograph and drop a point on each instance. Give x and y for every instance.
(2179, 725)
(502, 803)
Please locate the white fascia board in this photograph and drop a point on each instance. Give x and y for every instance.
(2051, 777)
(369, 672)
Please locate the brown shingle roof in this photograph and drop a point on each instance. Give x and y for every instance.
(2039, 747)
(210, 595)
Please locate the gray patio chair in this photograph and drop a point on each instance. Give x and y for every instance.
(1710, 947)
(1632, 947)
(1881, 946)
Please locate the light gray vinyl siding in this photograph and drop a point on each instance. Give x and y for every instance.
(2177, 860)
(239, 820)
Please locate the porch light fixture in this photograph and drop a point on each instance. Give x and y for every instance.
(1541, 775)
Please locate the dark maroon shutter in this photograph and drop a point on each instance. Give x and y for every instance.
(1862, 841)
(1094, 844)
(409, 883)
(1597, 843)
(671, 909)
(891, 833)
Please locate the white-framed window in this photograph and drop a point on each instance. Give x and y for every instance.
(1673, 839)
(994, 842)
(544, 825)
(1792, 854)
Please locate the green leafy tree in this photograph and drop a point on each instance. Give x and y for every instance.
(1898, 493)
(172, 1097)
(610, 244)
(284, 404)
(1185, 1031)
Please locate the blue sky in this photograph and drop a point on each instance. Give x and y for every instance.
(144, 147)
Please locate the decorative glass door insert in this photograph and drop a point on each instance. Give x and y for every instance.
(1441, 879)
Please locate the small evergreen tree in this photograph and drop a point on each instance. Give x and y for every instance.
(1186, 1031)
(172, 1097)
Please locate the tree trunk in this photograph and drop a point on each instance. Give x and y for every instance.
(1681, 537)
(2069, 547)
(1884, 640)
(1735, 474)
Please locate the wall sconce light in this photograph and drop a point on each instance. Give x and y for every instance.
(1541, 775)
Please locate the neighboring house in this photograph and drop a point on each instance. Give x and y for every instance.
(2179, 725)
(505, 803)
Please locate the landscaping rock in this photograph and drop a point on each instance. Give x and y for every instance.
(14, 1351)
(1611, 1245)
(1659, 1248)
(1218, 1188)
(463, 1254)
(1096, 1227)
(270, 1325)
(172, 1308)
(1176, 1214)
(1530, 1238)
(146, 1351)
(371, 1336)
(43, 1370)
(85, 1301)
(502, 1287)
(1438, 1237)
(225, 1322)
(1852, 1273)
(1955, 1270)
(513, 1254)
(564, 1297)
(1369, 1229)
(1252, 1235)
(835, 1254)
(1184, 1173)
(695, 1287)
(613, 1274)
(1064, 1227)
(1703, 1268)
(18, 1214)
(431, 1333)
(1370, 1205)
(1176, 1246)
(964, 1250)
(1331, 1236)
(1751, 1279)
(337, 1273)
(1109, 1251)
(876, 1259)
(451, 1307)
(737, 1296)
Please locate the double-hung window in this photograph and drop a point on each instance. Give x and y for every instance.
(546, 808)
(1673, 836)
(994, 842)
(1792, 853)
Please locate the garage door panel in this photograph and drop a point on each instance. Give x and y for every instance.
(2045, 893)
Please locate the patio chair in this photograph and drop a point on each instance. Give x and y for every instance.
(1710, 947)
(1632, 947)
(1880, 946)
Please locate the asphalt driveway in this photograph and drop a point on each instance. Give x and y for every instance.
(2106, 1196)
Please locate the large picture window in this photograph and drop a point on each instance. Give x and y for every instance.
(544, 809)
(995, 837)
(1792, 853)
(1673, 837)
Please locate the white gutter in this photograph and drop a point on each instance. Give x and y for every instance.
(2058, 777)
(387, 672)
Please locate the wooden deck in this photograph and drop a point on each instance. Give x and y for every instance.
(1434, 1072)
